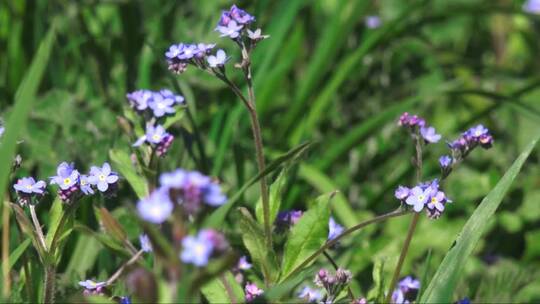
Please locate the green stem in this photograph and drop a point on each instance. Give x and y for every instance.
(334, 241)
(50, 284)
(414, 222)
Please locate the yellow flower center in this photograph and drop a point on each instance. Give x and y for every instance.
(433, 200)
(156, 137)
(83, 182)
(421, 197)
(101, 177)
(28, 186)
(67, 181)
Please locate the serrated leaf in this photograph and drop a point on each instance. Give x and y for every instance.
(223, 289)
(274, 199)
(123, 163)
(308, 235)
(443, 284)
(253, 237)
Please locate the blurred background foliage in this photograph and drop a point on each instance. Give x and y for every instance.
(323, 76)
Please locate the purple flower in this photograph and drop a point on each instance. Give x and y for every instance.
(174, 51)
(91, 285)
(102, 177)
(532, 6)
(139, 99)
(86, 186)
(161, 105)
(188, 52)
(204, 49)
(418, 198)
(146, 246)
(2, 129)
(408, 284)
(232, 30)
(66, 177)
(310, 294)
(154, 135)
(243, 263)
(466, 300)
(28, 185)
(445, 161)
(429, 134)
(407, 290)
(477, 131)
(334, 229)
(179, 99)
(125, 300)
(218, 60)
(241, 16)
(398, 297)
(402, 193)
(194, 188)
(252, 291)
(256, 35)
(411, 121)
(196, 250)
(372, 22)
(286, 219)
(155, 208)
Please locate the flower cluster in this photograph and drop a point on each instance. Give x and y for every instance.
(189, 189)
(470, 139)
(27, 188)
(406, 291)
(181, 54)
(424, 194)
(233, 22)
(71, 182)
(198, 249)
(417, 124)
(333, 284)
(252, 292)
(158, 103)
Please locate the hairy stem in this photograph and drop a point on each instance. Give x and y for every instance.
(414, 222)
(123, 267)
(38, 227)
(5, 251)
(332, 242)
(259, 150)
(50, 284)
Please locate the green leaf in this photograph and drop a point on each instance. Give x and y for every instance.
(17, 253)
(376, 294)
(308, 235)
(24, 98)
(111, 225)
(55, 215)
(170, 120)
(223, 289)
(123, 163)
(443, 284)
(274, 199)
(28, 229)
(83, 256)
(253, 237)
(218, 217)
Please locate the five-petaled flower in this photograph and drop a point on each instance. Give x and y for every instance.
(156, 208)
(196, 250)
(429, 134)
(334, 229)
(28, 185)
(66, 177)
(102, 177)
(418, 198)
(218, 60)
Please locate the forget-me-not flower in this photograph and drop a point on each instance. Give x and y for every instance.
(102, 177)
(28, 185)
(156, 208)
(66, 177)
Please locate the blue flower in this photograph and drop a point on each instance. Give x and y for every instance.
(334, 229)
(243, 263)
(146, 246)
(86, 186)
(196, 250)
(28, 185)
(232, 30)
(372, 22)
(477, 131)
(139, 99)
(418, 198)
(161, 105)
(445, 161)
(310, 294)
(218, 60)
(402, 193)
(66, 177)
(2, 130)
(241, 16)
(125, 300)
(256, 35)
(154, 135)
(155, 208)
(179, 99)
(429, 134)
(252, 291)
(91, 285)
(532, 6)
(102, 177)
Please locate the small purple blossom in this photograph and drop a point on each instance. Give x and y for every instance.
(154, 135)
(532, 6)
(155, 208)
(406, 291)
(418, 198)
(28, 185)
(429, 134)
(470, 139)
(310, 294)
(411, 121)
(146, 246)
(92, 285)
(241, 16)
(2, 130)
(402, 193)
(372, 22)
(67, 177)
(161, 105)
(445, 161)
(218, 60)
(287, 219)
(252, 291)
(196, 250)
(178, 99)
(232, 30)
(102, 177)
(334, 229)
(243, 263)
(408, 284)
(139, 99)
(257, 35)
(86, 186)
